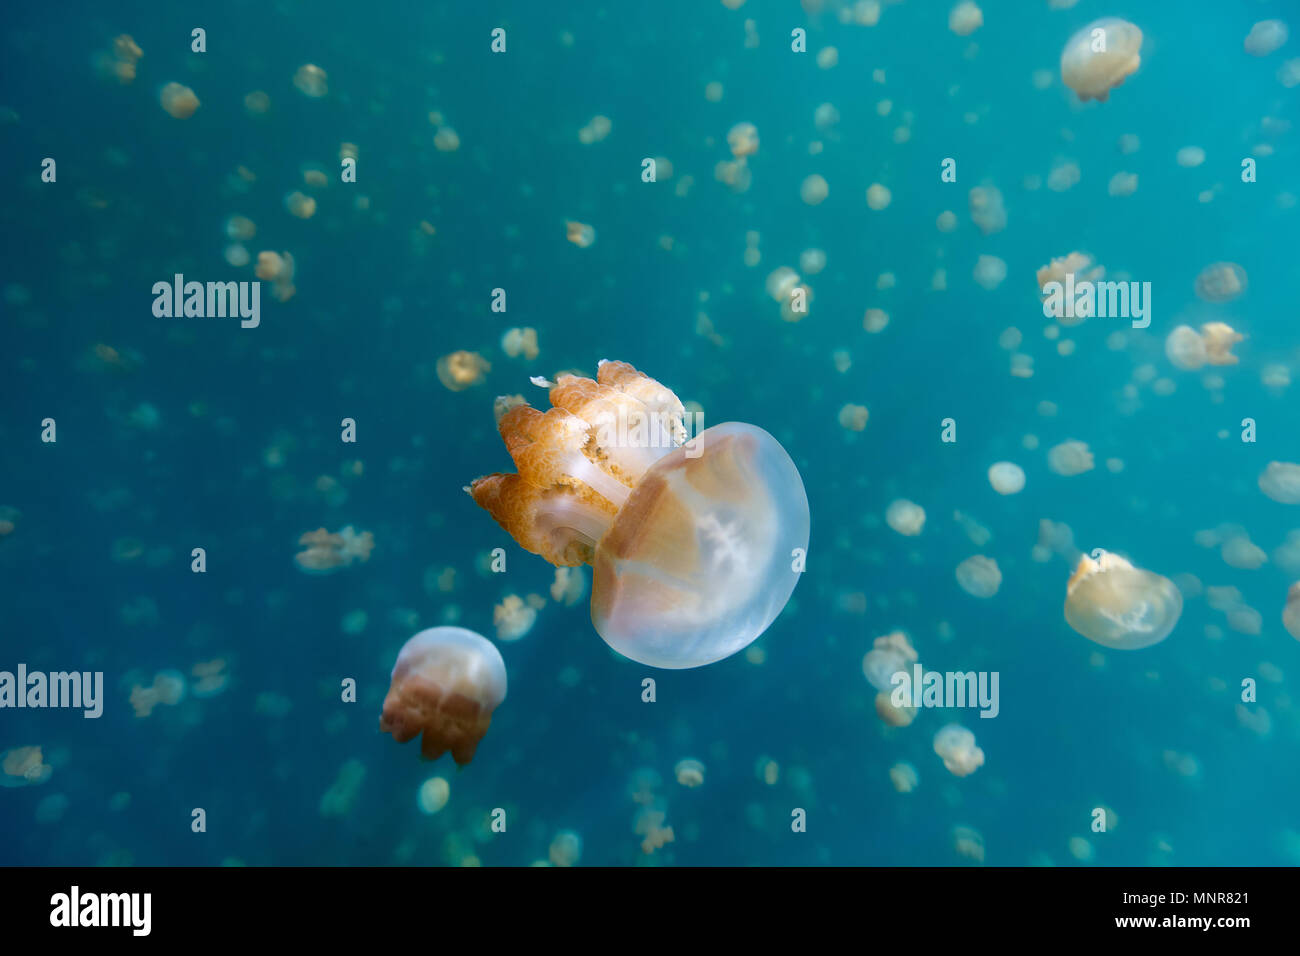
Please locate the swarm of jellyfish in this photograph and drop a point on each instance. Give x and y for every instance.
(692, 544)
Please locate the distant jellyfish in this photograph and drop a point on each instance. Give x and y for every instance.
(595, 131)
(1122, 184)
(569, 586)
(513, 618)
(814, 190)
(979, 576)
(459, 370)
(565, 849)
(1281, 482)
(446, 140)
(1242, 553)
(311, 81)
(1111, 602)
(1221, 282)
(1219, 338)
(853, 417)
(955, 745)
(1070, 458)
(743, 139)
(969, 843)
(689, 773)
(240, 227)
(1185, 348)
(1007, 478)
(812, 261)
(579, 233)
(878, 196)
(905, 517)
(893, 715)
(1092, 72)
(965, 18)
(1189, 157)
(433, 795)
(445, 685)
(1291, 613)
(1265, 37)
(986, 211)
(875, 320)
(300, 205)
(989, 272)
(888, 656)
(257, 103)
(781, 281)
(516, 342)
(23, 767)
(904, 777)
(178, 101)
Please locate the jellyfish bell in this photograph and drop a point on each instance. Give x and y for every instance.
(446, 683)
(1291, 613)
(1116, 605)
(694, 545)
(1094, 62)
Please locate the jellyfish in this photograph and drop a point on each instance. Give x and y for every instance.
(179, 101)
(1219, 339)
(518, 342)
(743, 140)
(1185, 348)
(1281, 482)
(1265, 37)
(1070, 458)
(513, 618)
(595, 131)
(888, 656)
(1100, 57)
(579, 233)
(565, 849)
(905, 517)
(814, 190)
(23, 767)
(904, 777)
(989, 272)
(878, 196)
(1006, 477)
(459, 370)
(1221, 282)
(311, 81)
(955, 745)
(979, 576)
(1122, 184)
(853, 417)
(446, 683)
(1111, 602)
(965, 18)
(986, 211)
(689, 772)
(695, 546)
(1291, 613)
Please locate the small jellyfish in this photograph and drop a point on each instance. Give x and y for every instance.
(459, 370)
(1265, 37)
(689, 773)
(1122, 184)
(781, 282)
(513, 618)
(300, 205)
(1221, 282)
(965, 18)
(853, 417)
(743, 139)
(516, 342)
(979, 576)
(569, 586)
(968, 843)
(257, 103)
(1070, 458)
(904, 777)
(989, 272)
(1281, 482)
(895, 716)
(875, 321)
(179, 101)
(433, 795)
(878, 196)
(1291, 613)
(446, 683)
(446, 140)
(23, 767)
(311, 81)
(986, 211)
(812, 261)
(1006, 477)
(1111, 602)
(595, 131)
(889, 655)
(955, 745)
(1185, 348)
(579, 233)
(1100, 57)
(814, 190)
(695, 545)
(1219, 338)
(905, 517)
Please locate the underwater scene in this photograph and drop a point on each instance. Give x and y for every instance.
(688, 433)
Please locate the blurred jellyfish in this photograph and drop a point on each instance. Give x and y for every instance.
(446, 140)
(1190, 157)
(878, 196)
(895, 716)
(569, 586)
(1219, 340)
(1111, 602)
(1007, 478)
(279, 270)
(649, 825)
(905, 517)
(579, 233)
(1281, 482)
(459, 370)
(120, 62)
(979, 576)
(690, 542)
(342, 794)
(1185, 348)
(1242, 553)
(1221, 282)
(814, 190)
(1064, 175)
(179, 101)
(311, 81)
(976, 532)
(1070, 458)
(1265, 37)
(955, 745)
(875, 320)
(1291, 612)
(446, 683)
(23, 767)
(990, 271)
(853, 417)
(689, 773)
(968, 843)
(257, 103)
(240, 227)
(433, 795)
(595, 131)
(986, 211)
(300, 205)
(946, 221)
(565, 849)
(513, 618)
(210, 678)
(326, 551)
(889, 655)
(516, 342)
(1100, 57)
(743, 139)
(965, 18)
(1122, 184)
(812, 261)
(1055, 538)
(904, 777)
(781, 282)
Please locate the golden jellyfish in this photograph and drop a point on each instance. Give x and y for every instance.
(814, 190)
(446, 140)
(300, 205)
(1219, 339)
(1100, 57)
(892, 714)
(518, 342)
(904, 777)
(878, 196)
(446, 683)
(695, 545)
(743, 140)
(579, 233)
(23, 767)
(1291, 613)
(1221, 282)
(459, 370)
(565, 849)
(853, 417)
(965, 18)
(989, 272)
(278, 270)
(905, 517)
(1281, 482)
(433, 795)
(513, 618)
(1265, 37)
(1122, 184)
(240, 227)
(979, 576)
(955, 746)
(689, 773)
(1006, 477)
(1185, 348)
(1116, 605)
(257, 103)
(179, 101)
(326, 551)
(888, 656)
(986, 211)
(1070, 458)
(311, 81)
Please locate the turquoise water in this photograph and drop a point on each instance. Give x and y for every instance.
(182, 433)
